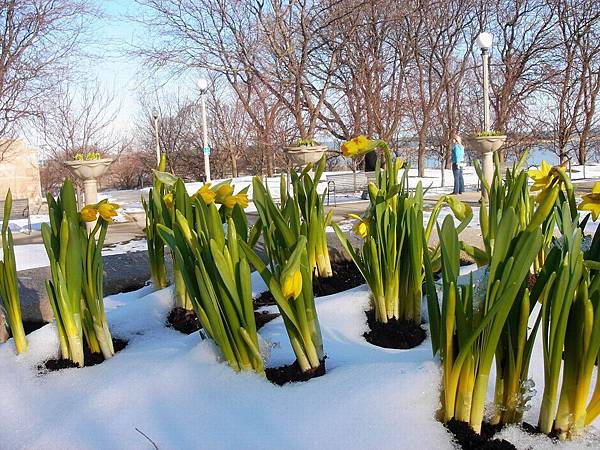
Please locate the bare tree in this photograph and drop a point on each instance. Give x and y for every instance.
(437, 33)
(524, 37)
(37, 40)
(179, 136)
(79, 119)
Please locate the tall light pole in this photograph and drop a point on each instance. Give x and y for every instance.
(155, 117)
(203, 87)
(484, 42)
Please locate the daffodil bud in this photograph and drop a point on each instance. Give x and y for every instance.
(168, 199)
(461, 210)
(291, 283)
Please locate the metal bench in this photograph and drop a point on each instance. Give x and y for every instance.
(347, 183)
(20, 210)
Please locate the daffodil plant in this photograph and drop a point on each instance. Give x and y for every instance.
(9, 287)
(289, 274)
(75, 287)
(466, 330)
(175, 198)
(395, 240)
(510, 195)
(312, 212)
(93, 315)
(217, 277)
(156, 214)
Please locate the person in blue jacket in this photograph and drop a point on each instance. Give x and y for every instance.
(458, 161)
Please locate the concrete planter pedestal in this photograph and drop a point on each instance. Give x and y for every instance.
(89, 172)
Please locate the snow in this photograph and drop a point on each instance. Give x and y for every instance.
(31, 256)
(175, 389)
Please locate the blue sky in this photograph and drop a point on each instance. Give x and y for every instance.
(114, 66)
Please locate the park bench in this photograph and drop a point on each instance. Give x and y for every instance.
(20, 210)
(347, 183)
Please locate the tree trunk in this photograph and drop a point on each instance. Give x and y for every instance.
(421, 155)
(234, 169)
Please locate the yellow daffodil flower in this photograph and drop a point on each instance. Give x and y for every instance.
(205, 194)
(461, 210)
(361, 228)
(357, 146)
(107, 210)
(591, 202)
(242, 200)
(223, 192)
(543, 179)
(88, 213)
(291, 284)
(168, 199)
(349, 149)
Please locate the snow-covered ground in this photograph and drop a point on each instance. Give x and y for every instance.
(31, 256)
(175, 389)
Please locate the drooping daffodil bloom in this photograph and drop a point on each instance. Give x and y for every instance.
(107, 210)
(356, 146)
(591, 202)
(242, 200)
(205, 194)
(88, 213)
(360, 145)
(238, 199)
(361, 228)
(222, 192)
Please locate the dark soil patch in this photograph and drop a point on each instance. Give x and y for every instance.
(263, 317)
(134, 286)
(399, 334)
(292, 373)
(531, 280)
(183, 320)
(89, 359)
(345, 276)
(31, 325)
(186, 322)
(462, 262)
(469, 440)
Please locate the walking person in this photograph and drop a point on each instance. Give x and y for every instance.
(458, 158)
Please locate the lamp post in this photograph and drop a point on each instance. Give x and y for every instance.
(484, 42)
(155, 117)
(203, 87)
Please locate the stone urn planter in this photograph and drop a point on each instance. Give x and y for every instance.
(488, 144)
(301, 155)
(89, 171)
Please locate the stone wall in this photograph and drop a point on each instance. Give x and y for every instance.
(20, 172)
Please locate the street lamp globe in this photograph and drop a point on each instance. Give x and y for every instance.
(484, 41)
(203, 85)
(155, 114)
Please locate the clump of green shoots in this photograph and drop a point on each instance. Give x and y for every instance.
(156, 213)
(570, 335)
(217, 277)
(466, 331)
(288, 275)
(9, 287)
(76, 266)
(395, 241)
